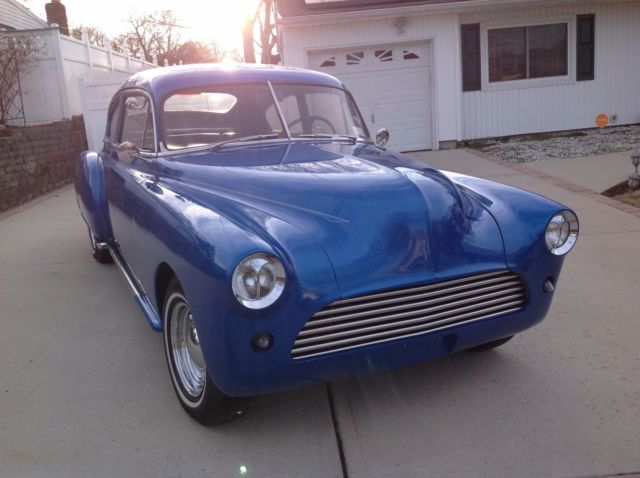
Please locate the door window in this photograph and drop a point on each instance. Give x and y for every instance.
(137, 126)
(114, 120)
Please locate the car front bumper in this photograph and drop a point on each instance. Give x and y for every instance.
(239, 369)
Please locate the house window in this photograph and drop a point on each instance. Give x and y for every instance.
(355, 58)
(328, 62)
(409, 55)
(519, 53)
(384, 55)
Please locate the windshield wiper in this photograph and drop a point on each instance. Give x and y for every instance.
(253, 137)
(353, 139)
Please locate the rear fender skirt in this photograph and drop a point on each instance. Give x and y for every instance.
(91, 194)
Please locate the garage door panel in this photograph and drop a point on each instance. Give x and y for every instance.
(392, 86)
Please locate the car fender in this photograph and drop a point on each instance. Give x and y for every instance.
(91, 194)
(522, 217)
(201, 245)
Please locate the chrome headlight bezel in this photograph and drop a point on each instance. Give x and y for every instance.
(561, 232)
(258, 280)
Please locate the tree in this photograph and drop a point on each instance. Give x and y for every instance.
(159, 33)
(260, 31)
(96, 36)
(192, 52)
(17, 57)
(151, 33)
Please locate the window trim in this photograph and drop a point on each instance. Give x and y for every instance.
(109, 138)
(121, 95)
(367, 138)
(166, 151)
(567, 79)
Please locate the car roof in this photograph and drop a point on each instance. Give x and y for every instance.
(162, 81)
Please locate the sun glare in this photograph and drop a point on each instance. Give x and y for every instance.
(213, 20)
(222, 21)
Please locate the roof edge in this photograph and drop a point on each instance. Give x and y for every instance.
(459, 6)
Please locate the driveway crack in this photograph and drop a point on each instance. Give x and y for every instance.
(336, 429)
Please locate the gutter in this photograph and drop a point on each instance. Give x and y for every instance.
(468, 6)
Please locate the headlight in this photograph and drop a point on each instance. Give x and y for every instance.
(258, 281)
(561, 233)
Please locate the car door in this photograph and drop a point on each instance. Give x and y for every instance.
(122, 161)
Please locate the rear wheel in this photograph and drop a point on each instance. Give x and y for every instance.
(197, 394)
(100, 254)
(490, 345)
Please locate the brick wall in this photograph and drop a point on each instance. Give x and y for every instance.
(38, 159)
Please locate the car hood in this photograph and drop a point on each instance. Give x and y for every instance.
(383, 219)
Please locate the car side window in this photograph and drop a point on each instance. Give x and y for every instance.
(114, 120)
(137, 125)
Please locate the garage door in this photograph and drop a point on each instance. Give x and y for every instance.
(392, 86)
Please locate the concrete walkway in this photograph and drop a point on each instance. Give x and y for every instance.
(85, 390)
(597, 173)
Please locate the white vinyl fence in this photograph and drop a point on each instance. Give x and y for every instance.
(95, 98)
(51, 90)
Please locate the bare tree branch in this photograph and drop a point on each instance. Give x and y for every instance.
(260, 33)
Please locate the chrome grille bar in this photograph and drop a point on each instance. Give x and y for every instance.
(416, 289)
(385, 316)
(446, 301)
(498, 283)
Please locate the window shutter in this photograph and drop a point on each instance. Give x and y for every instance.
(585, 50)
(470, 45)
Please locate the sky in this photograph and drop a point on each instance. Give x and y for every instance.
(203, 21)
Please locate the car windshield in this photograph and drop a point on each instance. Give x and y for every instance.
(221, 114)
(314, 110)
(214, 114)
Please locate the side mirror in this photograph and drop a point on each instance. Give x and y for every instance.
(382, 137)
(127, 151)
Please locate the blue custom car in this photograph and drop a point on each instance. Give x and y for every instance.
(275, 244)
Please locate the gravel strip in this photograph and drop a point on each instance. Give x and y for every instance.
(569, 144)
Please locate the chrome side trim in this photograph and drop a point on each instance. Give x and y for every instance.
(138, 292)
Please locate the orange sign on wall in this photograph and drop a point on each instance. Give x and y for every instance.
(602, 120)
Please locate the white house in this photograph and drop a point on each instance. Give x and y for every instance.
(69, 76)
(438, 71)
(14, 16)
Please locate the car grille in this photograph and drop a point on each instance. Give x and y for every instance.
(401, 313)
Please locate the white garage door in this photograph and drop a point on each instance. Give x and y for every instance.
(392, 86)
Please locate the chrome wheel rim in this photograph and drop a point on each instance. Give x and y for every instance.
(186, 352)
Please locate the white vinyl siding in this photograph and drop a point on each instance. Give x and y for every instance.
(564, 103)
(405, 109)
(531, 105)
(440, 31)
(18, 17)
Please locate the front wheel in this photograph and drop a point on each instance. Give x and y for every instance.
(490, 345)
(197, 394)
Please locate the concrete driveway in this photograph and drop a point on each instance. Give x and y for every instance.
(85, 390)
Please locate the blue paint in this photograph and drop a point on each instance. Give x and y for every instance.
(345, 219)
